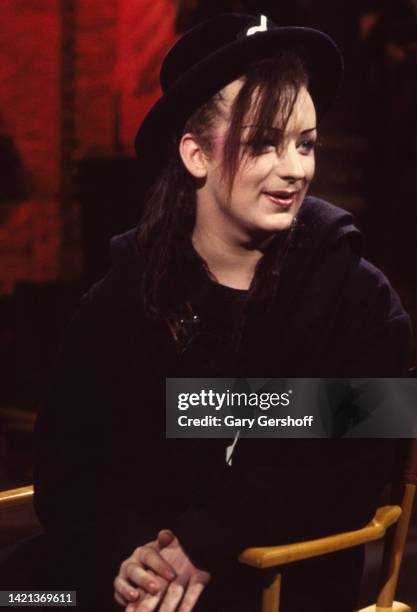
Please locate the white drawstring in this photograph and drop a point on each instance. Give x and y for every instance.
(231, 448)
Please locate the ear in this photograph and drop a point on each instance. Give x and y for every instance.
(193, 156)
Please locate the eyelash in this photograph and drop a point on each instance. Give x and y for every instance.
(309, 144)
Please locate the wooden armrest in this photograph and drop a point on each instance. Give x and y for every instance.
(269, 556)
(17, 515)
(16, 497)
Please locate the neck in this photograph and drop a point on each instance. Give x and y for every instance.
(232, 263)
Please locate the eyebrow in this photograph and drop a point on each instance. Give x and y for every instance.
(275, 129)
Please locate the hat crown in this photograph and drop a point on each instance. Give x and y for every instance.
(205, 39)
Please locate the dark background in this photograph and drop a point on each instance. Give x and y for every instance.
(77, 76)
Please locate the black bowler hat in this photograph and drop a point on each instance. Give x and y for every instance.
(216, 52)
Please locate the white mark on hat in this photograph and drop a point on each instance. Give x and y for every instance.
(262, 27)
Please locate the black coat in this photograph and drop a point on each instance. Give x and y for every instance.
(107, 479)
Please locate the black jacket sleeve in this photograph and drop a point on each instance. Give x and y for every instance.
(374, 329)
(92, 506)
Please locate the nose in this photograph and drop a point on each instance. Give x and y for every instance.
(289, 164)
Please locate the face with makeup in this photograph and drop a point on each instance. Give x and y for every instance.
(271, 181)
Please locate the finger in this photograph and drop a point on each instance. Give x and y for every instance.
(165, 537)
(138, 551)
(144, 595)
(172, 597)
(143, 579)
(149, 603)
(124, 590)
(141, 594)
(120, 600)
(152, 559)
(191, 596)
(133, 607)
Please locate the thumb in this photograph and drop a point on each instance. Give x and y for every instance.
(165, 537)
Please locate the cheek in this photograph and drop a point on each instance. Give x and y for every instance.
(253, 171)
(309, 168)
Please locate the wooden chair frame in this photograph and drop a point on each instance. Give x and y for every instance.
(17, 515)
(385, 516)
(16, 498)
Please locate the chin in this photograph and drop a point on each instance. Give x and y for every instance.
(270, 224)
(281, 222)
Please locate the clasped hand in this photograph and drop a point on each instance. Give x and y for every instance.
(159, 573)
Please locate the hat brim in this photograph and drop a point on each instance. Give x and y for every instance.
(166, 119)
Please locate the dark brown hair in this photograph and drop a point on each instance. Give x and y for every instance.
(270, 86)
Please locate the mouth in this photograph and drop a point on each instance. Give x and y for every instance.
(284, 199)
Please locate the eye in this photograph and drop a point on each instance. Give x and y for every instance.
(307, 145)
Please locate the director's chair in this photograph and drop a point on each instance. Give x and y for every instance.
(398, 513)
(18, 519)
